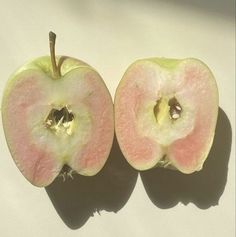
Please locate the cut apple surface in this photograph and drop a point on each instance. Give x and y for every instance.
(165, 113)
(51, 122)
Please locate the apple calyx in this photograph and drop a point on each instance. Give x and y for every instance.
(55, 68)
(66, 173)
(164, 162)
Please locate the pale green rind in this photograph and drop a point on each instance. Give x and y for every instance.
(167, 63)
(43, 63)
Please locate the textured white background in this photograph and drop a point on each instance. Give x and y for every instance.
(110, 35)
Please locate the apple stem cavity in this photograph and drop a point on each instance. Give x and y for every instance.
(55, 68)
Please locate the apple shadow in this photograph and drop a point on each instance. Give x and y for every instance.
(77, 199)
(166, 188)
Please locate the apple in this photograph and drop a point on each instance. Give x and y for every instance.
(165, 113)
(57, 112)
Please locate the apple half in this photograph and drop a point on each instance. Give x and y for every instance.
(57, 111)
(165, 113)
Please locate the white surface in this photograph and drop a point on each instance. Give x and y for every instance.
(110, 35)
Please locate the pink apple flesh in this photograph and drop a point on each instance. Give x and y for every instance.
(50, 123)
(165, 113)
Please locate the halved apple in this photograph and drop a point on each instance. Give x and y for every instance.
(165, 113)
(57, 111)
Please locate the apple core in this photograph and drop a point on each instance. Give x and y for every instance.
(60, 121)
(167, 108)
(175, 108)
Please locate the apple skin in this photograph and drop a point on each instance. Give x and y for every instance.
(31, 93)
(147, 133)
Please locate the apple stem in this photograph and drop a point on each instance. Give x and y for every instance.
(52, 42)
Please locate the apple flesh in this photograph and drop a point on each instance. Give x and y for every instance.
(50, 122)
(165, 113)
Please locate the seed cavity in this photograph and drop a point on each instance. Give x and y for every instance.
(175, 108)
(60, 121)
(167, 109)
(156, 108)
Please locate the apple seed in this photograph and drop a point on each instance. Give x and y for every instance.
(164, 106)
(175, 108)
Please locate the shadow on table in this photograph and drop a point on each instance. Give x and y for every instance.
(76, 200)
(166, 187)
(224, 8)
